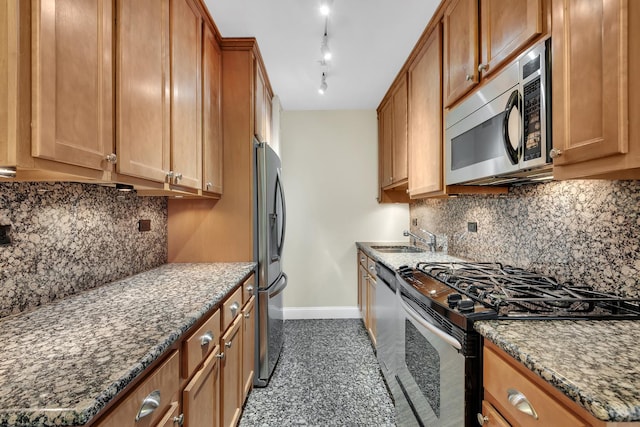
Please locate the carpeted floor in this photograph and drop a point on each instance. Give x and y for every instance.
(327, 376)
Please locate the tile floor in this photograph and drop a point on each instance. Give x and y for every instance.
(327, 376)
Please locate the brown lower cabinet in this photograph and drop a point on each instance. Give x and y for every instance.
(516, 396)
(204, 378)
(367, 293)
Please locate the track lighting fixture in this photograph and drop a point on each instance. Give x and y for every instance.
(324, 45)
(323, 84)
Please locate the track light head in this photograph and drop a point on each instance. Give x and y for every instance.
(323, 84)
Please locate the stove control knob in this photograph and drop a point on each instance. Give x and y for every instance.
(465, 306)
(453, 299)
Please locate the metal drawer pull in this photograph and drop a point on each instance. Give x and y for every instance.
(521, 403)
(228, 344)
(247, 315)
(234, 308)
(220, 356)
(149, 404)
(250, 288)
(482, 419)
(206, 338)
(179, 419)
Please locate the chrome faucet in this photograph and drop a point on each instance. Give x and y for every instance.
(431, 243)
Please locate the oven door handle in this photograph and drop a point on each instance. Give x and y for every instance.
(425, 323)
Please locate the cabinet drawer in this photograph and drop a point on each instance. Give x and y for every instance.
(502, 378)
(362, 259)
(163, 381)
(231, 308)
(200, 343)
(491, 417)
(248, 288)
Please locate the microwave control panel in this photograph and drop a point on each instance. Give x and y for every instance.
(532, 108)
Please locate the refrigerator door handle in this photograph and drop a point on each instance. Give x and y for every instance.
(279, 287)
(284, 213)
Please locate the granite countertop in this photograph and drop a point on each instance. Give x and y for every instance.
(395, 260)
(63, 362)
(595, 363)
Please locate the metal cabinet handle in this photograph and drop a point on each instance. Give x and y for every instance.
(482, 419)
(206, 338)
(247, 315)
(250, 288)
(169, 175)
(234, 308)
(220, 356)
(179, 419)
(149, 404)
(228, 344)
(483, 67)
(521, 403)
(555, 153)
(362, 259)
(177, 177)
(208, 185)
(111, 158)
(468, 77)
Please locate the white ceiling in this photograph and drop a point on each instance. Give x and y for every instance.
(369, 39)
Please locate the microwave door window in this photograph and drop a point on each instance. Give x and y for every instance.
(479, 144)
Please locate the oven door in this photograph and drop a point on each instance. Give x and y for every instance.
(431, 369)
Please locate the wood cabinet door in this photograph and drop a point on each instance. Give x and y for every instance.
(142, 132)
(211, 113)
(201, 395)
(371, 303)
(506, 26)
(385, 144)
(362, 285)
(231, 376)
(400, 169)
(259, 107)
(73, 82)
(492, 417)
(186, 55)
(248, 346)
(426, 158)
(460, 49)
(590, 73)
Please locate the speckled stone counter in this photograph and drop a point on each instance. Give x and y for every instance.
(595, 363)
(62, 363)
(395, 260)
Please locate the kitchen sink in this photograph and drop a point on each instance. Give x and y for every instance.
(398, 249)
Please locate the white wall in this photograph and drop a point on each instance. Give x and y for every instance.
(330, 173)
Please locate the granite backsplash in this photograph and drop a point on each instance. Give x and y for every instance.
(70, 237)
(586, 232)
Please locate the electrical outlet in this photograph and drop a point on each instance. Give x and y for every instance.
(472, 227)
(4, 235)
(144, 225)
(414, 222)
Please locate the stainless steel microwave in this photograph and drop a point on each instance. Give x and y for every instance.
(501, 133)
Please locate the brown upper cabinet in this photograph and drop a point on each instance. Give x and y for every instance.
(72, 109)
(186, 118)
(595, 103)
(143, 84)
(426, 160)
(479, 38)
(112, 91)
(212, 150)
(263, 97)
(392, 119)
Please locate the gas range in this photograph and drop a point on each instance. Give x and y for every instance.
(464, 292)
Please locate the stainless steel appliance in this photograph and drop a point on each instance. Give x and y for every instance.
(269, 232)
(439, 368)
(502, 133)
(386, 321)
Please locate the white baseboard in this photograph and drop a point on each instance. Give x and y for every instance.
(297, 313)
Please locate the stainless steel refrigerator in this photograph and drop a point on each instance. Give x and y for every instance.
(269, 232)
